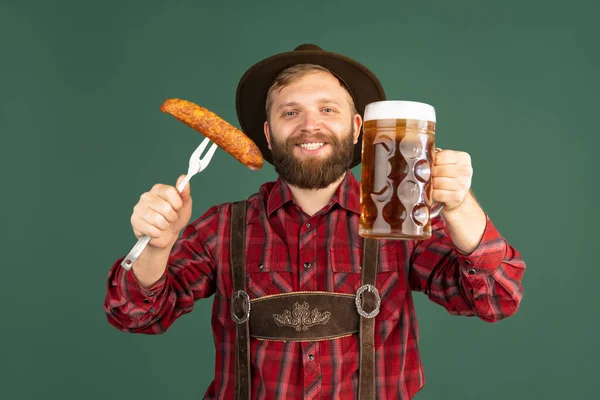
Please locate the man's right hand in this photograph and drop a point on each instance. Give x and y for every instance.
(161, 214)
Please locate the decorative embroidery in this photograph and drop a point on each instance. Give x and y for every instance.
(301, 317)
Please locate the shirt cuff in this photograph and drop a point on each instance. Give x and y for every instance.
(135, 293)
(487, 256)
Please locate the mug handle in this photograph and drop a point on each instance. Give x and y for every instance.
(436, 208)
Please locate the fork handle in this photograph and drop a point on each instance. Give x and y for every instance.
(184, 182)
(141, 244)
(135, 252)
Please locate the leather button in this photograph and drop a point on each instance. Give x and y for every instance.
(307, 265)
(311, 357)
(472, 271)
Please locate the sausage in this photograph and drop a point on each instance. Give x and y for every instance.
(219, 131)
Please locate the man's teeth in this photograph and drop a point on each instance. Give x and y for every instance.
(311, 146)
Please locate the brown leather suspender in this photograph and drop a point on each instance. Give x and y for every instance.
(366, 368)
(238, 273)
(364, 304)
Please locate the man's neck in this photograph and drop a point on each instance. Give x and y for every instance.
(312, 200)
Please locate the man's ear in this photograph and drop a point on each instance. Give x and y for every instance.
(357, 122)
(267, 134)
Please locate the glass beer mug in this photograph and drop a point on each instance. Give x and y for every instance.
(397, 158)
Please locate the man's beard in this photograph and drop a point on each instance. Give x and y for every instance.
(312, 172)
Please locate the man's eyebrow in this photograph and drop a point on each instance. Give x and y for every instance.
(320, 101)
(290, 104)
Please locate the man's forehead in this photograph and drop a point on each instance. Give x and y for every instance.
(323, 86)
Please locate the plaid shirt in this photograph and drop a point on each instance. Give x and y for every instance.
(289, 251)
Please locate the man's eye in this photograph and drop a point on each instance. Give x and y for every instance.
(289, 113)
(328, 110)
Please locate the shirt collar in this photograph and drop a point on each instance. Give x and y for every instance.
(346, 195)
(280, 194)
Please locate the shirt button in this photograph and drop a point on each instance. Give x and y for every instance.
(311, 357)
(472, 271)
(308, 225)
(467, 262)
(146, 301)
(307, 265)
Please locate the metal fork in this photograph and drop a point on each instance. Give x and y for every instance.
(196, 165)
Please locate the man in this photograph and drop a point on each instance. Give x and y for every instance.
(300, 237)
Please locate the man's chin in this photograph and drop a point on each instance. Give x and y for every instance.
(313, 162)
(313, 174)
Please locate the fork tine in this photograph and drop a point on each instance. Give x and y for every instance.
(206, 159)
(196, 154)
(209, 154)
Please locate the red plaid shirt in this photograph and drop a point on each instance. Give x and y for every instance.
(289, 251)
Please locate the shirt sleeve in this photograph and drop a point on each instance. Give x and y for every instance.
(190, 275)
(485, 283)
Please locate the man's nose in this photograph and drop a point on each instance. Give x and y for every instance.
(311, 121)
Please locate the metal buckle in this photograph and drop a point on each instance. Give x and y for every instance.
(240, 293)
(359, 308)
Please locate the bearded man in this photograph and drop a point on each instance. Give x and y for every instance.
(286, 266)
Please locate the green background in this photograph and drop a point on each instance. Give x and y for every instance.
(514, 83)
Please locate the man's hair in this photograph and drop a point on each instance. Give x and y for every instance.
(294, 73)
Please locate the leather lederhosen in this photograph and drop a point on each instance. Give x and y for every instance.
(302, 316)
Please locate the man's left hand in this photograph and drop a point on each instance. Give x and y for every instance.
(451, 178)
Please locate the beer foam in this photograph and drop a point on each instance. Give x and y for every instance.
(396, 109)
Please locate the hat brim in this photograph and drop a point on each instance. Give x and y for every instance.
(252, 90)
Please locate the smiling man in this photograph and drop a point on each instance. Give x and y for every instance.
(288, 270)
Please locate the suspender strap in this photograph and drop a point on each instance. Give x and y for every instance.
(370, 307)
(240, 303)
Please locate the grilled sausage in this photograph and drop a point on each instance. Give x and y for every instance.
(219, 131)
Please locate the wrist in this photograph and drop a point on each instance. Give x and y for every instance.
(468, 207)
(466, 224)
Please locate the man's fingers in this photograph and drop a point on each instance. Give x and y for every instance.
(447, 157)
(447, 196)
(165, 209)
(155, 219)
(452, 171)
(144, 228)
(445, 171)
(444, 157)
(168, 193)
(444, 183)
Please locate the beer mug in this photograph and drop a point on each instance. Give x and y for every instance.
(398, 152)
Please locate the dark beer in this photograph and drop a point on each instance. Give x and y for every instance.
(397, 158)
